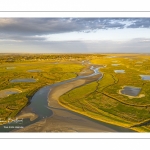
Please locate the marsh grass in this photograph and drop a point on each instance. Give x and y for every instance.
(51, 73)
(103, 101)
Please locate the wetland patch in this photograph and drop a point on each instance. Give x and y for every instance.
(23, 80)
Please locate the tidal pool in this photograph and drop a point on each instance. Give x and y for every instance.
(23, 80)
(7, 92)
(35, 70)
(145, 77)
(130, 90)
(119, 71)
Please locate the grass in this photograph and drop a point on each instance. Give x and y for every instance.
(51, 73)
(101, 100)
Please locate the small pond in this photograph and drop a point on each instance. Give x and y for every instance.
(145, 77)
(119, 71)
(7, 92)
(35, 70)
(23, 80)
(130, 90)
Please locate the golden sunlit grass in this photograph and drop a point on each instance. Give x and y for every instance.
(99, 100)
(103, 101)
(50, 73)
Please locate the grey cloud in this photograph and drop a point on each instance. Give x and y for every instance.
(140, 23)
(39, 26)
(27, 29)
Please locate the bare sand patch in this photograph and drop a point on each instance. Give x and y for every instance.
(29, 115)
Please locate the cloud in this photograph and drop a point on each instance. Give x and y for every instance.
(40, 26)
(140, 23)
(36, 29)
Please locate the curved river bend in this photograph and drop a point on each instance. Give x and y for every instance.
(39, 106)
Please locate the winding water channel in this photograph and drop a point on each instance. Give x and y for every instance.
(39, 106)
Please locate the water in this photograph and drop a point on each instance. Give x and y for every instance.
(145, 77)
(39, 104)
(131, 91)
(34, 70)
(23, 80)
(119, 71)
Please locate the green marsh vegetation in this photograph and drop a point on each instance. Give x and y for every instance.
(54, 68)
(102, 101)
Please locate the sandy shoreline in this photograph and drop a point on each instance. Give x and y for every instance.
(27, 113)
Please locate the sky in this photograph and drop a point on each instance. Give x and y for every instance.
(74, 35)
